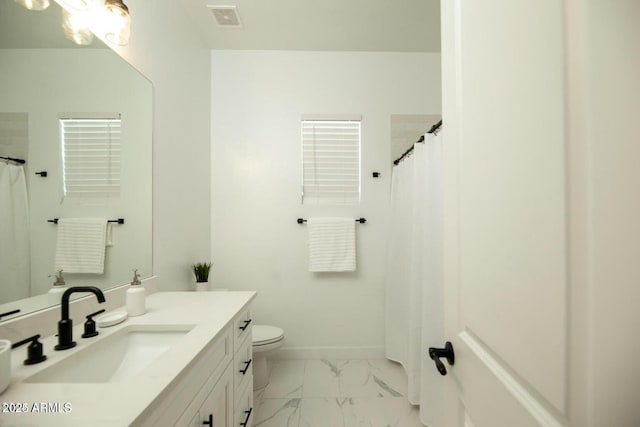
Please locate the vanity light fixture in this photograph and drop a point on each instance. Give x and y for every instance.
(34, 4)
(110, 19)
(76, 28)
(119, 22)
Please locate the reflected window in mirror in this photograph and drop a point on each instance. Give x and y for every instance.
(91, 155)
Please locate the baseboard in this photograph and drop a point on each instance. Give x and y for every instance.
(372, 352)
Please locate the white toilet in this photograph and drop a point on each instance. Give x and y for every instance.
(264, 339)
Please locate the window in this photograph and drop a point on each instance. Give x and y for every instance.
(331, 161)
(91, 156)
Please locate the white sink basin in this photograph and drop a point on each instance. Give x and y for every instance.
(115, 358)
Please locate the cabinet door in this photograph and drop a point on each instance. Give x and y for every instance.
(186, 395)
(195, 421)
(217, 409)
(244, 407)
(219, 405)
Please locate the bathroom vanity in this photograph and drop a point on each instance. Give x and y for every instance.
(187, 363)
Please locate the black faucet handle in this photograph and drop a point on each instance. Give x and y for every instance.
(90, 325)
(34, 350)
(90, 316)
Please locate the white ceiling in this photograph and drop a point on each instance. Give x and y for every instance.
(329, 25)
(326, 25)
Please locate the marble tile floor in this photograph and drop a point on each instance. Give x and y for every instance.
(335, 393)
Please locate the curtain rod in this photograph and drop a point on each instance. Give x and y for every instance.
(435, 128)
(22, 162)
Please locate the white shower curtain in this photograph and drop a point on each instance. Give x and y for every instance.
(14, 233)
(413, 286)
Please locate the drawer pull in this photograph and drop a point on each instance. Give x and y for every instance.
(246, 420)
(246, 324)
(208, 422)
(246, 368)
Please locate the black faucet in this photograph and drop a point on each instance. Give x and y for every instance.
(65, 325)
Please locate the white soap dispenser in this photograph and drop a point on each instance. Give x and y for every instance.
(136, 296)
(58, 288)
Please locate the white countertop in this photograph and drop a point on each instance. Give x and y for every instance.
(118, 404)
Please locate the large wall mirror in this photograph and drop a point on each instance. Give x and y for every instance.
(43, 78)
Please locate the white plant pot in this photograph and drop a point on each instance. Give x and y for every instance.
(202, 286)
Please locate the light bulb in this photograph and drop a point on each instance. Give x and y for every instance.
(118, 22)
(76, 27)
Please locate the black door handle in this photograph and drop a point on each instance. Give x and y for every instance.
(447, 352)
(208, 422)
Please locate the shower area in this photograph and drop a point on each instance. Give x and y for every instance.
(14, 208)
(414, 272)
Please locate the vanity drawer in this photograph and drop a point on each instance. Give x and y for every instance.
(244, 413)
(243, 361)
(242, 328)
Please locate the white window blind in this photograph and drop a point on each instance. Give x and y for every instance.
(331, 161)
(91, 156)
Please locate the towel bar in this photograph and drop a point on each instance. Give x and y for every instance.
(119, 220)
(360, 220)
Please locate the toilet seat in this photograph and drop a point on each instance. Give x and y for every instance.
(265, 335)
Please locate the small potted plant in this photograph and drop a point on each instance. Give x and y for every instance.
(201, 271)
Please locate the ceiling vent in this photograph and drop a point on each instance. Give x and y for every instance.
(226, 16)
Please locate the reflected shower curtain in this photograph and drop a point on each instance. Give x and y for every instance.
(14, 233)
(414, 315)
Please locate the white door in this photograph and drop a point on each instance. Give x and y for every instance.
(530, 289)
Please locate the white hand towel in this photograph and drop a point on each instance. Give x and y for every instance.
(332, 244)
(81, 245)
(109, 235)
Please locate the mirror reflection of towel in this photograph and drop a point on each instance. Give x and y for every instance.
(332, 244)
(81, 245)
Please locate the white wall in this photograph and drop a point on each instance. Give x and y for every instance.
(257, 101)
(604, 65)
(165, 47)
